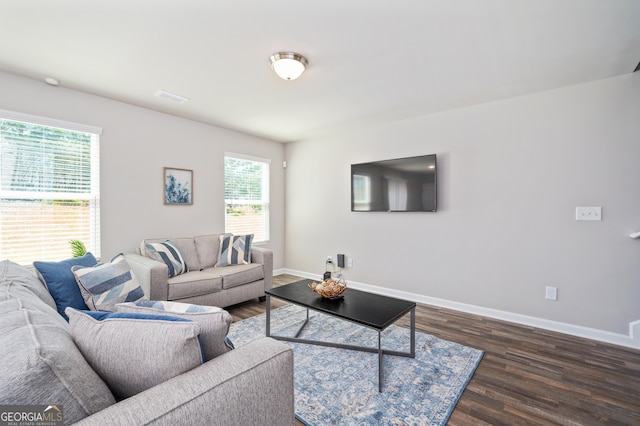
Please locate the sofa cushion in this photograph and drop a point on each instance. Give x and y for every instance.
(214, 322)
(195, 283)
(208, 247)
(41, 365)
(17, 282)
(134, 352)
(234, 250)
(61, 283)
(104, 285)
(236, 275)
(168, 253)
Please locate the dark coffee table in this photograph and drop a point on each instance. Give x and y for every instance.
(367, 309)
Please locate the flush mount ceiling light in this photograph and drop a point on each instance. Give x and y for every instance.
(288, 65)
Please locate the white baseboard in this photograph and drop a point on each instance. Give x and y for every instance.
(280, 271)
(632, 340)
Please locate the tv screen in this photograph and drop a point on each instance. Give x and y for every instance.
(400, 185)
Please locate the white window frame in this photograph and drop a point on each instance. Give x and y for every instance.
(264, 202)
(93, 244)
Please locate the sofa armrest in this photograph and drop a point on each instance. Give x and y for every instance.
(151, 274)
(250, 385)
(264, 256)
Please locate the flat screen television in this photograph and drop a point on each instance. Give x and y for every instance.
(399, 185)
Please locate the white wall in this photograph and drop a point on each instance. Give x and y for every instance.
(510, 176)
(135, 146)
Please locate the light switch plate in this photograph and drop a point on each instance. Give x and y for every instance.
(588, 213)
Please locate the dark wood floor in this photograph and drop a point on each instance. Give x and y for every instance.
(527, 376)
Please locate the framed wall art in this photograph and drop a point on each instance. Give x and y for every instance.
(178, 187)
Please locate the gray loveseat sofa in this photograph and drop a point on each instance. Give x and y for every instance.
(205, 283)
(41, 365)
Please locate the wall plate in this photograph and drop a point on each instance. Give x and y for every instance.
(588, 213)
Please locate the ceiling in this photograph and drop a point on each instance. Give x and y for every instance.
(369, 61)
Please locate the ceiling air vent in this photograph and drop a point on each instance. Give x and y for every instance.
(171, 97)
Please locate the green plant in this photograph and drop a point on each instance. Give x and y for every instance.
(77, 248)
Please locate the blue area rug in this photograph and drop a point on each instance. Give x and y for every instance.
(340, 387)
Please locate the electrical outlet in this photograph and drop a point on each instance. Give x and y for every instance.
(551, 293)
(588, 213)
(350, 263)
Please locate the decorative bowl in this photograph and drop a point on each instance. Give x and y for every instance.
(329, 288)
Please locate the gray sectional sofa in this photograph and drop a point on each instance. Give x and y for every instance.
(205, 283)
(41, 365)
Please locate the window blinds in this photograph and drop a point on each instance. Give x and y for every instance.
(49, 189)
(246, 193)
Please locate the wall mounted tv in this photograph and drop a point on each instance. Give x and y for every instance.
(399, 185)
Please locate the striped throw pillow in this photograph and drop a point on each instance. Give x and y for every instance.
(107, 284)
(169, 254)
(234, 250)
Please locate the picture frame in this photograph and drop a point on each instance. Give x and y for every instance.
(177, 186)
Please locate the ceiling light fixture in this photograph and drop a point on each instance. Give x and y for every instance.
(288, 65)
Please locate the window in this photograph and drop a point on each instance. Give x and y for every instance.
(361, 192)
(49, 188)
(246, 193)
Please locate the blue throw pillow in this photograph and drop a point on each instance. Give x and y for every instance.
(61, 282)
(103, 315)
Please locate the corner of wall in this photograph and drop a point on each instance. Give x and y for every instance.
(634, 332)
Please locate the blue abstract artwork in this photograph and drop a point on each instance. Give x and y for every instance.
(178, 186)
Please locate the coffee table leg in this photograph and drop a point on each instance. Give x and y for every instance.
(379, 362)
(268, 319)
(304, 324)
(413, 332)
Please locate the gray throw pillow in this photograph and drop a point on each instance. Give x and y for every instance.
(41, 365)
(17, 282)
(134, 352)
(214, 321)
